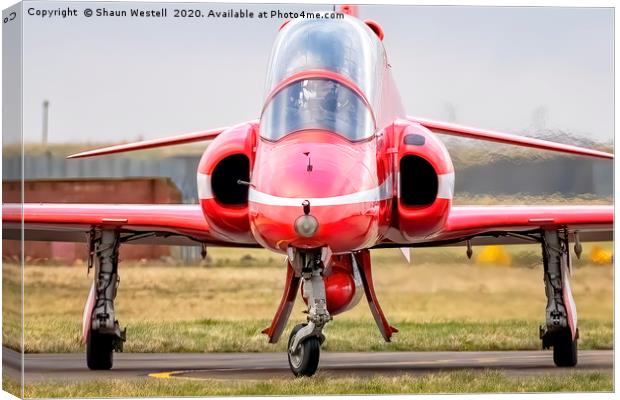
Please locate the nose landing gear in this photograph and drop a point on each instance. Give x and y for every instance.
(312, 266)
(304, 345)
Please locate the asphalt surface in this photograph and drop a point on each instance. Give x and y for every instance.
(260, 366)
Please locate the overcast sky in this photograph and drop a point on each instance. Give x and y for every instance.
(114, 79)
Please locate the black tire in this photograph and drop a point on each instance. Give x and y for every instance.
(565, 349)
(305, 361)
(99, 351)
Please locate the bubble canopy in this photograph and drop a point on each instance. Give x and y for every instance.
(317, 103)
(346, 47)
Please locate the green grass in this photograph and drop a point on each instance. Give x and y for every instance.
(11, 305)
(441, 305)
(452, 382)
(441, 302)
(11, 385)
(61, 335)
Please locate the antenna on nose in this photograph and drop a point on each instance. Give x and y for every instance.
(309, 167)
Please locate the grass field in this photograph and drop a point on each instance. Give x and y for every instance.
(442, 302)
(453, 382)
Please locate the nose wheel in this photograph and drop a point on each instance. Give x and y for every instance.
(303, 359)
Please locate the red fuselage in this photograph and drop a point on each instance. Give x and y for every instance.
(338, 178)
(329, 153)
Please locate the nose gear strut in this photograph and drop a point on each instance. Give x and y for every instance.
(305, 341)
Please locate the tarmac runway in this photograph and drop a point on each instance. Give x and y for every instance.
(259, 366)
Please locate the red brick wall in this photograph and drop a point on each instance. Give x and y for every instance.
(95, 190)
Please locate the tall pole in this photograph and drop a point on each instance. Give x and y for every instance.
(46, 106)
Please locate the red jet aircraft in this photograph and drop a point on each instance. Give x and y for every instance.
(332, 169)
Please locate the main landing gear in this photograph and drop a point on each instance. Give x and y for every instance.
(560, 331)
(101, 330)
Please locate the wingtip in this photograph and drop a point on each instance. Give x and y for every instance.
(507, 138)
(150, 144)
(601, 154)
(82, 154)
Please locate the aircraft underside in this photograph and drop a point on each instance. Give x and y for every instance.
(329, 285)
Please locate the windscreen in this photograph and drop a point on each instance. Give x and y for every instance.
(344, 46)
(317, 104)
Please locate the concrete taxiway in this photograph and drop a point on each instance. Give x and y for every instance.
(274, 365)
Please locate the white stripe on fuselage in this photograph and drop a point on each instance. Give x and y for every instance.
(445, 190)
(382, 192)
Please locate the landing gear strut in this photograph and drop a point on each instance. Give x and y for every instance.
(102, 332)
(560, 331)
(316, 268)
(304, 345)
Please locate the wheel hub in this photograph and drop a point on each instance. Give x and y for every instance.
(296, 356)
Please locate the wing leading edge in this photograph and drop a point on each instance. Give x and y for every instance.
(492, 136)
(469, 220)
(175, 224)
(499, 224)
(152, 143)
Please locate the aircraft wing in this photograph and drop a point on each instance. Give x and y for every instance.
(507, 224)
(473, 220)
(152, 143)
(174, 224)
(507, 138)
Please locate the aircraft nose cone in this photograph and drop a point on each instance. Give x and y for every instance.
(310, 195)
(313, 171)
